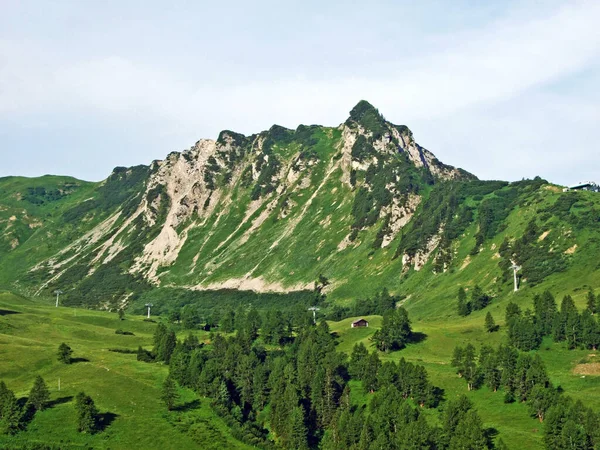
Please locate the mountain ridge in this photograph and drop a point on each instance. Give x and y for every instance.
(269, 212)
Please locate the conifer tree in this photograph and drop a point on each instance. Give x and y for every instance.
(420, 386)
(261, 390)
(159, 334)
(545, 312)
(522, 387)
(590, 331)
(86, 413)
(190, 317)
(169, 393)
(458, 360)
(523, 333)
(507, 362)
(223, 395)
(540, 400)
(277, 413)
(490, 325)
(194, 370)
(370, 373)
(191, 342)
(395, 330)
(252, 324)
(463, 306)
(573, 329)
(10, 412)
(179, 363)
(591, 302)
(166, 346)
(244, 378)
(512, 311)
(64, 353)
(488, 363)
(240, 318)
(564, 319)
(296, 433)
(227, 324)
(39, 394)
(416, 435)
(454, 413)
(468, 433)
(358, 360)
(471, 372)
(366, 435)
(479, 299)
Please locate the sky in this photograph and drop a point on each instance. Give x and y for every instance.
(504, 89)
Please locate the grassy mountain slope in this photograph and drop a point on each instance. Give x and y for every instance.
(126, 391)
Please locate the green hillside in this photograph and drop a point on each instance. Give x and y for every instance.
(126, 391)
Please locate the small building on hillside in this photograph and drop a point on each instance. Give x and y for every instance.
(360, 323)
(583, 186)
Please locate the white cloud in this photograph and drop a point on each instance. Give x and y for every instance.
(452, 83)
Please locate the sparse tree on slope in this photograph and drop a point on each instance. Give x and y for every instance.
(39, 394)
(86, 413)
(463, 307)
(64, 353)
(490, 325)
(169, 392)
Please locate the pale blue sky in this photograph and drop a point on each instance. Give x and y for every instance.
(504, 89)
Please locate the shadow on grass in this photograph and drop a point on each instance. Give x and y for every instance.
(490, 433)
(416, 337)
(28, 411)
(194, 404)
(59, 401)
(79, 360)
(103, 420)
(7, 312)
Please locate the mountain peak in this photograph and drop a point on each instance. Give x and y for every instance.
(364, 109)
(368, 117)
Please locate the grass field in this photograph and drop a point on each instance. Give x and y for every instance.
(125, 391)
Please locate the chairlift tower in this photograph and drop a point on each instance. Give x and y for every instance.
(515, 269)
(149, 305)
(57, 292)
(314, 310)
